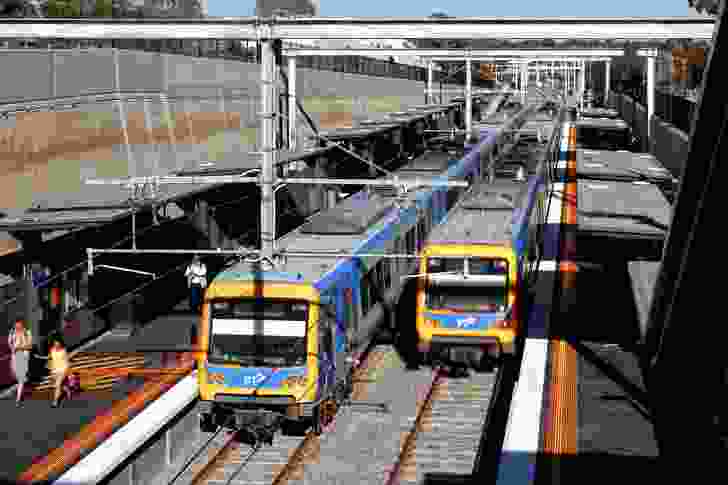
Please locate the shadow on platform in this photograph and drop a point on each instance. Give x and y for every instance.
(600, 308)
(596, 468)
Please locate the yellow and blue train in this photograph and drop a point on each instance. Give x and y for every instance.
(471, 291)
(279, 344)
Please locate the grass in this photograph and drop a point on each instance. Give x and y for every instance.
(64, 175)
(112, 168)
(384, 104)
(216, 142)
(96, 120)
(105, 119)
(215, 145)
(248, 136)
(331, 104)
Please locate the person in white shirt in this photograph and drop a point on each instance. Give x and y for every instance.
(196, 275)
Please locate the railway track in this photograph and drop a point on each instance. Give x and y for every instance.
(432, 423)
(447, 430)
(223, 459)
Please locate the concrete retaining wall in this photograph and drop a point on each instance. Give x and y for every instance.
(158, 460)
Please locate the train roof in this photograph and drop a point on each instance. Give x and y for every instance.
(619, 165)
(485, 215)
(601, 123)
(600, 113)
(351, 216)
(340, 229)
(434, 161)
(358, 132)
(622, 209)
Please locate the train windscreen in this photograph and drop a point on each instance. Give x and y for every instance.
(258, 333)
(482, 284)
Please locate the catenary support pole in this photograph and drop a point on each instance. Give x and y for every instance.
(650, 96)
(428, 94)
(607, 80)
(468, 96)
(267, 145)
(292, 109)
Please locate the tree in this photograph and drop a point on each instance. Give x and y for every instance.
(64, 8)
(711, 7)
(104, 8)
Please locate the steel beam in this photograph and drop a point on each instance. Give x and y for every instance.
(631, 29)
(686, 301)
(458, 53)
(233, 179)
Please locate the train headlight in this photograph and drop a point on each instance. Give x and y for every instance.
(215, 378)
(295, 382)
(502, 323)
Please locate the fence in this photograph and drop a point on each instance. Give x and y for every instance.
(247, 52)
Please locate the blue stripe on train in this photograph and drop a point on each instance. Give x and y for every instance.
(464, 321)
(260, 377)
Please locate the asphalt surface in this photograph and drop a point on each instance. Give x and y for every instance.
(33, 430)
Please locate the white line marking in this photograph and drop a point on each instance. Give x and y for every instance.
(554, 215)
(115, 449)
(522, 439)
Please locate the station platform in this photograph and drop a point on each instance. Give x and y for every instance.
(35, 430)
(579, 412)
(596, 417)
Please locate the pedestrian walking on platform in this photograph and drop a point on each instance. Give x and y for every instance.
(20, 342)
(59, 366)
(196, 275)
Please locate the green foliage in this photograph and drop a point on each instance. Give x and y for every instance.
(64, 8)
(104, 8)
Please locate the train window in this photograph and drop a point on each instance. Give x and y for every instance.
(385, 274)
(485, 298)
(256, 332)
(365, 297)
(410, 241)
(420, 233)
(487, 266)
(401, 249)
(452, 195)
(445, 265)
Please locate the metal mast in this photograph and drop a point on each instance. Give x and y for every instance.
(267, 147)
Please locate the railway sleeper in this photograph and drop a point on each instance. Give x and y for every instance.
(481, 358)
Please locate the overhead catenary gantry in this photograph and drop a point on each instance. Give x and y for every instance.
(575, 57)
(649, 31)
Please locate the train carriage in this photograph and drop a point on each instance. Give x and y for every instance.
(280, 342)
(475, 270)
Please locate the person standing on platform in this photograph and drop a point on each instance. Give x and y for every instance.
(59, 365)
(196, 274)
(20, 342)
